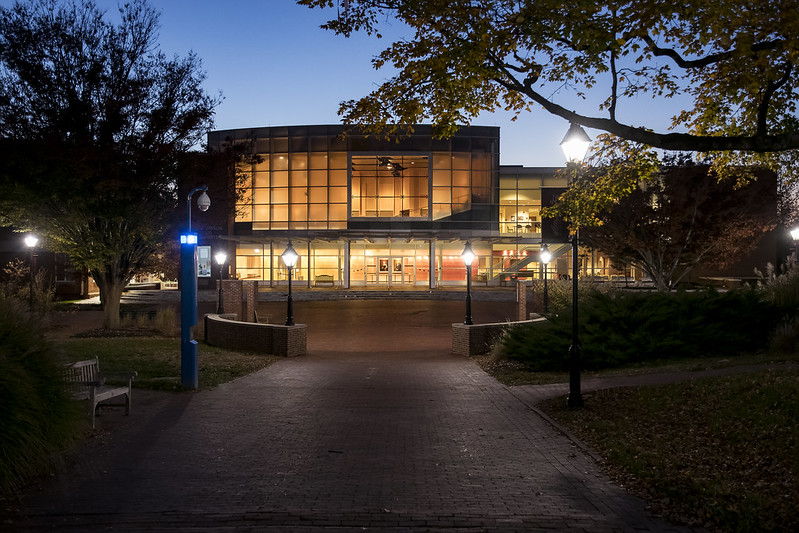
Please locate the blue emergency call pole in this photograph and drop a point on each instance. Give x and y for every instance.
(189, 367)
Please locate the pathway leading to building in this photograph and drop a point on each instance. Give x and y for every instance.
(378, 428)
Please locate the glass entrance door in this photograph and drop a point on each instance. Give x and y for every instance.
(390, 270)
(389, 264)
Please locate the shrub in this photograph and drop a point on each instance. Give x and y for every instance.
(785, 336)
(15, 283)
(621, 328)
(14, 280)
(38, 420)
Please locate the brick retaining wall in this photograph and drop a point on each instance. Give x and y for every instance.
(273, 339)
(478, 339)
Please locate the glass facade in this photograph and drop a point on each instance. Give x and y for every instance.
(296, 191)
(364, 211)
(385, 186)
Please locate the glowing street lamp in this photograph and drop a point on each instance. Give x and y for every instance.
(290, 259)
(220, 257)
(545, 257)
(468, 256)
(31, 241)
(575, 145)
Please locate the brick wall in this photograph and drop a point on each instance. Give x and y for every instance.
(250, 293)
(479, 338)
(240, 298)
(232, 297)
(271, 339)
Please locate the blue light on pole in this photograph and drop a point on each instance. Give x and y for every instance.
(189, 367)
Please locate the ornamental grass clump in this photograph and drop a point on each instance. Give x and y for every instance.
(38, 420)
(781, 286)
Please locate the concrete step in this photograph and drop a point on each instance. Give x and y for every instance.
(278, 294)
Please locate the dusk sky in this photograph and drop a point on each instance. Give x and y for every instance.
(274, 66)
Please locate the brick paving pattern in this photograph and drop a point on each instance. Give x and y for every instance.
(379, 428)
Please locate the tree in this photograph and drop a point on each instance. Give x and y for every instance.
(683, 217)
(734, 61)
(92, 121)
(227, 172)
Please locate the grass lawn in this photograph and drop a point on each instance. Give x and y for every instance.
(715, 452)
(157, 360)
(515, 373)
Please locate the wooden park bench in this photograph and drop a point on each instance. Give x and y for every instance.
(86, 382)
(323, 279)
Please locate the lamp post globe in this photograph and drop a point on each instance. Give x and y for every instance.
(290, 259)
(575, 145)
(468, 256)
(220, 257)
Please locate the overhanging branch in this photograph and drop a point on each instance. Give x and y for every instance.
(706, 60)
(760, 143)
(771, 88)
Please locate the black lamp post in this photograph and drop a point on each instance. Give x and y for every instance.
(31, 241)
(468, 257)
(575, 145)
(545, 256)
(220, 257)
(290, 259)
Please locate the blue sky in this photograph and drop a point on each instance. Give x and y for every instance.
(275, 66)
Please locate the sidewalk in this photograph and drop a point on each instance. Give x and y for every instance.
(379, 428)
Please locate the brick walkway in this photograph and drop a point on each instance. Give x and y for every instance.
(381, 431)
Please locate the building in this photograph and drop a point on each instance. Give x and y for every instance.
(367, 212)
(363, 211)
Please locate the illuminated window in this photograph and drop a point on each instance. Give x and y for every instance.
(390, 186)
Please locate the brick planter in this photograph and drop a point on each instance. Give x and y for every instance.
(478, 338)
(270, 339)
